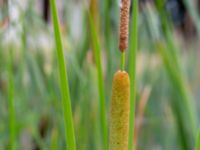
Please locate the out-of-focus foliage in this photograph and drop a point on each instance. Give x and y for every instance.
(168, 83)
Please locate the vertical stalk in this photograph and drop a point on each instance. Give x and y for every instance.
(11, 108)
(54, 139)
(197, 146)
(123, 59)
(69, 128)
(176, 76)
(107, 34)
(132, 70)
(97, 52)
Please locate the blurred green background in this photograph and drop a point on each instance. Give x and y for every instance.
(168, 74)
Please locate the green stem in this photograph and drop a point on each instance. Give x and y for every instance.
(132, 71)
(69, 128)
(54, 139)
(97, 53)
(11, 108)
(123, 59)
(197, 146)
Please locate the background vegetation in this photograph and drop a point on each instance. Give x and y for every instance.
(167, 74)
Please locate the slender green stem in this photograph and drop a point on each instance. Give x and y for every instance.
(169, 55)
(123, 60)
(107, 22)
(69, 128)
(186, 101)
(11, 108)
(54, 140)
(97, 52)
(132, 71)
(197, 146)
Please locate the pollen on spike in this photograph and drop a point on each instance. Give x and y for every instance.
(124, 25)
(119, 113)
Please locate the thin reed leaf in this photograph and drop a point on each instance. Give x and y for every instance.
(54, 139)
(69, 128)
(182, 106)
(97, 52)
(132, 70)
(186, 131)
(107, 35)
(11, 108)
(197, 146)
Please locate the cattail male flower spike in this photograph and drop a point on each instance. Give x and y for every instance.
(124, 24)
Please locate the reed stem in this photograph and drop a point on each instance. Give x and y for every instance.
(97, 52)
(132, 71)
(54, 139)
(11, 108)
(197, 146)
(123, 60)
(69, 128)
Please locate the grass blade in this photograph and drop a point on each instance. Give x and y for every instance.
(11, 105)
(54, 139)
(69, 128)
(197, 147)
(132, 71)
(185, 103)
(97, 50)
(182, 106)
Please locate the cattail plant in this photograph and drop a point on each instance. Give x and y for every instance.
(120, 102)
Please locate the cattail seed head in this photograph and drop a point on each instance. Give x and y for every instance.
(119, 114)
(124, 24)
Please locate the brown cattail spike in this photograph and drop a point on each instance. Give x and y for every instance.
(119, 114)
(124, 24)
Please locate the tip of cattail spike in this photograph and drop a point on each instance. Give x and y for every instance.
(123, 72)
(122, 77)
(124, 25)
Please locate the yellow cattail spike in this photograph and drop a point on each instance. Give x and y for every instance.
(119, 115)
